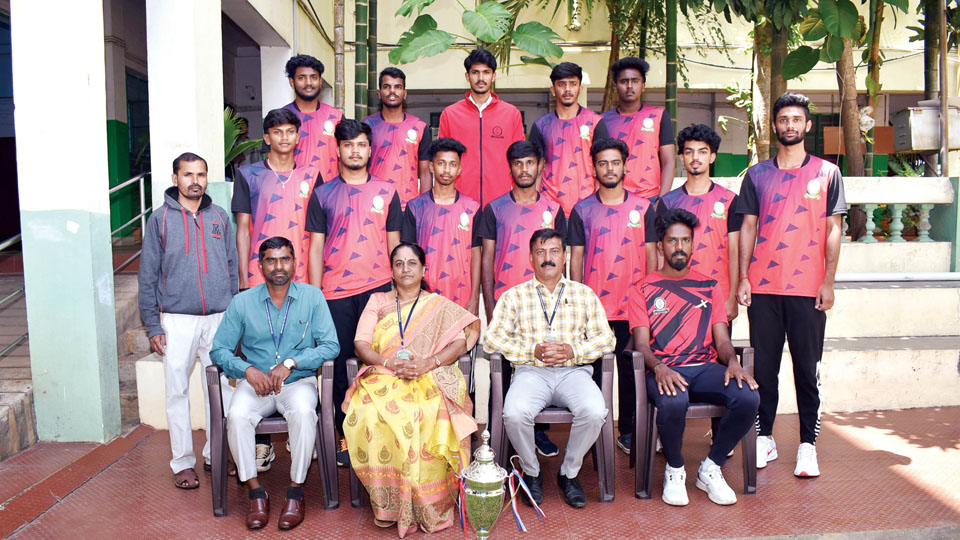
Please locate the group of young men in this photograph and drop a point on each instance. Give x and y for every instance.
(495, 212)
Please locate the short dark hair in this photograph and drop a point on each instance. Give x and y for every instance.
(791, 99)
(542, 235)
(391, 71)
(480, 56)
(302, 60)
(630, 62)
(421, 256)
(446, 144)
(699, 132)
(609, 143)
(188, 157)
(672, 216)
(565, 70)
(279, 117)
(349, 129)
(275, 242)
(522, 149)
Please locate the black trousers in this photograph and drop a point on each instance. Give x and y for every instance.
(771, 317)
(345, 313)
(625, 386)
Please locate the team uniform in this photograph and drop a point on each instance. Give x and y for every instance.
(277, 204)
(317, 146)
(487, 132)
(614, 259)
(447, 235)
(356, 258)
(716, 212)
(644, 132)
(680, 313)
(396, 152)
(568, 175)
(786, 272)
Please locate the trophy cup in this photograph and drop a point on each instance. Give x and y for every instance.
(483, 489)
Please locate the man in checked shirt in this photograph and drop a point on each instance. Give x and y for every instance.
(551, 329)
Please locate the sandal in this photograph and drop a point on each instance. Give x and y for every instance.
(186, 479)
(231, 468)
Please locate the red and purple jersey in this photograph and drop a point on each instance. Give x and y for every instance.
(716, 212)
(791, 208)
(568, 174)
(614, 247)
(355, 220)
(680, 313)
(277, 203)
(511, 225)
(396, 152)
(446, 234)
(317, 146)
(644, 131)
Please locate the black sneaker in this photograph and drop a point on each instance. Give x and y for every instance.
(343, 455)
(623, 442)
(545, 446)
(535, 485)
(572, 491)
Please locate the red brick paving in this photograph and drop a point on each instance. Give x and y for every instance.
(887, 470)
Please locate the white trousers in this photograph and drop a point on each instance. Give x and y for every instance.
(188, 336)
(297, 402)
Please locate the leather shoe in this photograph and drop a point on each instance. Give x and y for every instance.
(259, 513)
(535, 485)
(572, 491)
(292, 514)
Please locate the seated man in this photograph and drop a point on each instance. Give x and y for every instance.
(551, 329)
(673, 315)
(278, 374)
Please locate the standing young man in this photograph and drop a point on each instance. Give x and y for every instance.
(565, 136)
(317, 145)
(789, 248)
(613, 246)
(187, 277)
(718, 232)
(354, 222)
(441, 221)
(399, 150)
(487, 126)
(647, 130)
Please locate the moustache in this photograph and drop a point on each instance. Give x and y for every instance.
(679, 254)
(547, 263)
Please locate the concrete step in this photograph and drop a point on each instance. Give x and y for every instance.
(135, 341)
(151, 388)
(18, 426)
(129, 404)
(128, 368)
(126, 306)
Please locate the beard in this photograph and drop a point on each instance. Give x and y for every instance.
(608, 184)
(277, 279)
(790, 142)
(307, 97)
(520, 184)
(678, 264)
(354, 167)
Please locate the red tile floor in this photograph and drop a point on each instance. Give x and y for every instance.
(894, 474)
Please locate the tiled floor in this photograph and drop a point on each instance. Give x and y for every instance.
(882, 471)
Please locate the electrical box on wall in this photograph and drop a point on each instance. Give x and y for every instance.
(917, 129)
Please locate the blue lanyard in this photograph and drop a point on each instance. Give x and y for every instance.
(404, 326)
(543, 306)
(283, 324)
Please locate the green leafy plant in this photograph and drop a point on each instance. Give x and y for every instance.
(232, 128)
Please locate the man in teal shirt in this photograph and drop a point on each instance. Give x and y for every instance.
(285, 332)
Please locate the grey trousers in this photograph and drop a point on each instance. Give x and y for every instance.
(535, 388)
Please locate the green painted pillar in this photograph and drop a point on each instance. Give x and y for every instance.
(65, 221)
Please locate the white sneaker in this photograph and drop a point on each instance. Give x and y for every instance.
(265, 457)
(314, 449)
(710, 479)
(674, 486)
(766, 451)
(807, 461)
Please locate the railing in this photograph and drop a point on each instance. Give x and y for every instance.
(897, 193)
(11, 297)
(142, 216)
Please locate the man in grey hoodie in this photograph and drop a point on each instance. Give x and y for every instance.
(188, 275)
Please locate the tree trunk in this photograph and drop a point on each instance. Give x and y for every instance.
(760, 124)
(360, 61)
(849, 115)
(778, 51)
(610, 87)
(873, 72)
(339, 84)
(931, 33)
(372, 81)
(671, 42)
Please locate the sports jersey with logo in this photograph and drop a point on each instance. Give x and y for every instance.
(355, 220)
(614, 239)
(277, 203)
(511, 225)
(644, 131)
(396, 152)
(446, 234)
(716, 212)
(318, 146)
(568, 175)
(791, 208)
(680, 313)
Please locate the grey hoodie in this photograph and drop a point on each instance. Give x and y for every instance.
(189, 261)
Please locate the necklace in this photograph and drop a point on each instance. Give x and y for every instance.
(283, 181)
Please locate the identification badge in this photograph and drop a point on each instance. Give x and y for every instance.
(403, 354)
(550, 337)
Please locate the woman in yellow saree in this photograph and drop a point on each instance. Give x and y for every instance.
(408, 415)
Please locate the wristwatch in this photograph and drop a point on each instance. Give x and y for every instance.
(290, 364)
